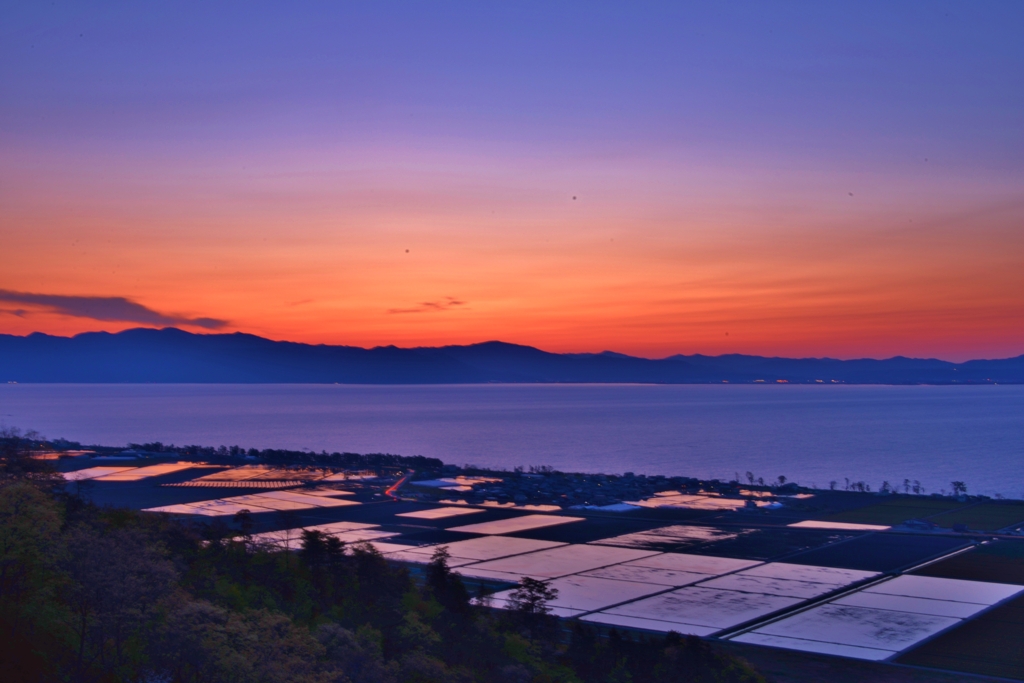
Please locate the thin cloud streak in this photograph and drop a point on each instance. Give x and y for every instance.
(104, 308)
(430, 306)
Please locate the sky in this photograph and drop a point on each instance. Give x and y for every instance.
(784, 178)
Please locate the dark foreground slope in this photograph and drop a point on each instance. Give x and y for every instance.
(171, 355)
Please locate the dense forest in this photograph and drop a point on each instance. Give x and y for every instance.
(90, 594)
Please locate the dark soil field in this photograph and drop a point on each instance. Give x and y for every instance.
(593, 528)
(772, 543)
(989, 645)
(671, 538)
(880, 552)
(1000, 561)
(897, 510)
(990, 516)
(725, 541)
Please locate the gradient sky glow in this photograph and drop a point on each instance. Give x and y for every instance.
(842, 179)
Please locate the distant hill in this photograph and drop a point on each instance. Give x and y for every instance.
(172, 355)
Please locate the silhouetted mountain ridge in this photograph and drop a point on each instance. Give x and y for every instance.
(172, 355)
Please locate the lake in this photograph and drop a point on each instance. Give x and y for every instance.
(810, 434)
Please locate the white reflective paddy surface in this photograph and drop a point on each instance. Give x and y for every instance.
(839, 526)
(958, 590)
(680, 534)
(94, 473)
(859, 626)
(490, 547)
(514, 524)
(440, 513)
(140, 473)
(556, 562)
(263, 501)
(769, 586)
(672, 569)
(697, 606)
(634, 588)
(582, 594)
(347, 532)
(412, 554)
(304, 499)
(641, 589)
(805, 572)
(660, 577)
(209, 508)
(883, 619)
(702, 564)
(695, 502)
(251, 472)
(694, 594)
(259, 502)
(237, 473)
(789, 580)
(471, 551)
(939, 608)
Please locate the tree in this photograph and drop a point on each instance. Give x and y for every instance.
(245, 523)
(117, 581)
(288, 521)
(202, 642)
(959, 488)
(532, 597)
(30, 618)
(313, 547)
(358, 653)
(29, 530)
(445, 584)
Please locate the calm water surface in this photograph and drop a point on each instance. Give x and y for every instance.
(810, 434)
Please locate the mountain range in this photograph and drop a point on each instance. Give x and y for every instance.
(171, 355)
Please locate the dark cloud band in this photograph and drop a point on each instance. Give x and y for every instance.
(105, 308)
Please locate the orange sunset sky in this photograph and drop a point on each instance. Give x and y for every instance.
(665, 182)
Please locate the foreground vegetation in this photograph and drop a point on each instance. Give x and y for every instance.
(95, 595)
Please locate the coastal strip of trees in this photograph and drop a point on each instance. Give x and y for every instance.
(281, 456)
